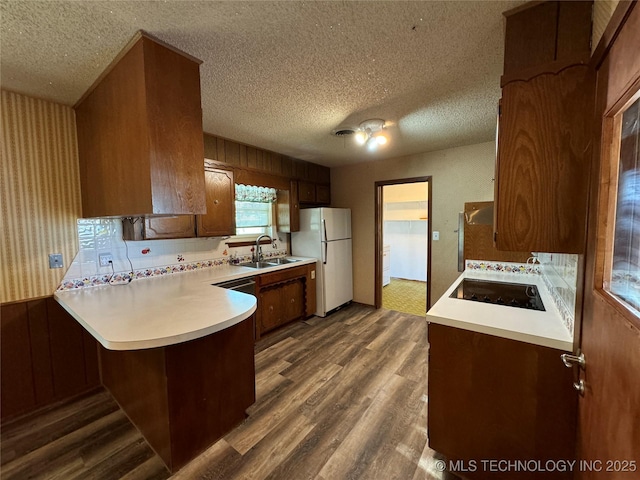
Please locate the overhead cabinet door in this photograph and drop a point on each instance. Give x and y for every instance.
(220, 219)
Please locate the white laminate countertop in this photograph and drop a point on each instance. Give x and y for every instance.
(165, 310)
(531, 326)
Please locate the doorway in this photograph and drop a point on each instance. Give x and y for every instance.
(403, 244)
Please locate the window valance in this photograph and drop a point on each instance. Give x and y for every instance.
(255, 194)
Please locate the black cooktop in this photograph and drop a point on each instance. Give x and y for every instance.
(499, 293)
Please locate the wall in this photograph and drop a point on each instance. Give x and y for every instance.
(405, 229)
(39, 194)
(462, 174)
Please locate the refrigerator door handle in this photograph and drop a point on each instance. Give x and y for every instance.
(324, 258)
(324, 227)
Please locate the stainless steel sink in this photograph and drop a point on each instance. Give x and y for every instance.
(269, 263)
(256, 265)
(282, 261)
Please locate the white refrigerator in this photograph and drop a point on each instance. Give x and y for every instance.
(325, 234)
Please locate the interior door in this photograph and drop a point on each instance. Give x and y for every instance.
(608, 439)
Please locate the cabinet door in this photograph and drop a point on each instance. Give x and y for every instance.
(293, 300)
(271, 311)
(307, 192)
(220, 219)
(179, 226)
(323, 194)
(542, 166)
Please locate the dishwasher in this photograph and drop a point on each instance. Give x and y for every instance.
(244, 285)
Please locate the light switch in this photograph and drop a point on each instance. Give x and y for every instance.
(436, 236)
(55, 260)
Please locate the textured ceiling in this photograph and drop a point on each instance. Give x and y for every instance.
(283, 75)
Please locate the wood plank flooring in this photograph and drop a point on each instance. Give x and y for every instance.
(338, 398)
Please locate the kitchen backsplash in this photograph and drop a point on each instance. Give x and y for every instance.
(149, 257)
(560, 274)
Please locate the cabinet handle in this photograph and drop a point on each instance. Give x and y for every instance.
(216, 202)
(293, 300)
(579, 386)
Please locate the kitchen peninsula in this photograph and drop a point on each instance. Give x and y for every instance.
(176, 353)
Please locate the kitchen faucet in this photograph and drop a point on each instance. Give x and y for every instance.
(257, 256)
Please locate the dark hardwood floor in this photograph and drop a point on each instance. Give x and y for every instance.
(338, 398)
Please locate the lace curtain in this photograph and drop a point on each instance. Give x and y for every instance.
(255, 194)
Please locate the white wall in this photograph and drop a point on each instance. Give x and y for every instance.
(459, 175)
(405, 229)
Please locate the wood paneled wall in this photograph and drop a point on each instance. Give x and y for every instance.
(240, 155)
(39, 194)
(45, 356)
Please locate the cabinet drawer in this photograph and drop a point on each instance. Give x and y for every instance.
(281, 275)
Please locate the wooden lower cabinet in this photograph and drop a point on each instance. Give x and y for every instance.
(284, 296)
(271, 312)
(492, 398)
(186, 396)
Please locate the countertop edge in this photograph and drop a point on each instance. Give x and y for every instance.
(552, 341)
(198, 278)
(159, 342)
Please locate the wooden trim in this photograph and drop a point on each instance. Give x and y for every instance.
(246, 243)
(378, 233)
(610, 33)
(610, 169)
(246, 176)
(378, 206)
(13, 302)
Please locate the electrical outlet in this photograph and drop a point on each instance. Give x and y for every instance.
(55, 260)
(436, 236)
(105, 259)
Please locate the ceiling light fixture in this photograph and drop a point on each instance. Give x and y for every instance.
(370, 134)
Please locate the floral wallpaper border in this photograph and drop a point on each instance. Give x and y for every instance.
(503, 267)
(124, 277)
(566, 315)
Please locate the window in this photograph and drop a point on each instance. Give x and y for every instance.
(253, 218)
(624, 262)
(254, 210)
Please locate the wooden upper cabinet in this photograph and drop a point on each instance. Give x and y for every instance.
(140, 140)
(543, 159)
(546, 36)
(323, 194)
(314, 194)
(220, 219)
(179, 226)
(306, 192)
